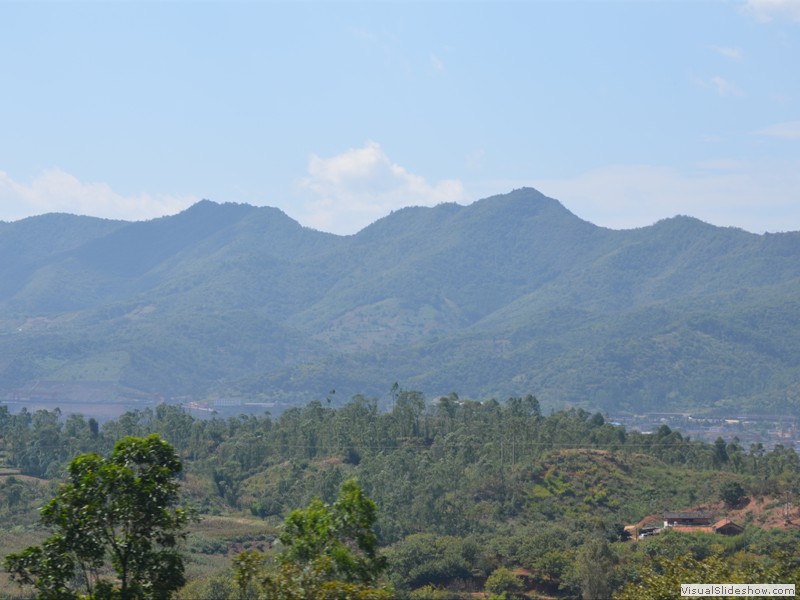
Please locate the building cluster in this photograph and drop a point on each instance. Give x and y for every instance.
(690, 522)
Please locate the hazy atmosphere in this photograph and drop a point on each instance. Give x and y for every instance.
(338, 113)
(406, 300)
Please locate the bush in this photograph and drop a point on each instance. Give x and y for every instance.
(503, 581)
(731, 493)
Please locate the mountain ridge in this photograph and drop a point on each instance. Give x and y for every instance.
(508, 295)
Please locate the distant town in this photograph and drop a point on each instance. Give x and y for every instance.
(767, 430)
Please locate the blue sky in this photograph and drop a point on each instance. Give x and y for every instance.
(338, 113)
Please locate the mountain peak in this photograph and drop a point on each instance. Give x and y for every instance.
(506, 295)
(525, 205)
(207, 207)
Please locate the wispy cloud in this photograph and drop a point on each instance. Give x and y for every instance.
(769, 10)
(476, 160)
(732, 53)
(364, 34)
(725, 87)
(437, 63)
(756, 197)
(722, 86)
(722, 164)
(789, 130)
(58, 191)
(352, 189)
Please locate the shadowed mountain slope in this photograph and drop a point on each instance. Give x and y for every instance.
(509, 295)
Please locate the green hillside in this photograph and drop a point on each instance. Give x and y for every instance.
(463, 490)
(509, 294)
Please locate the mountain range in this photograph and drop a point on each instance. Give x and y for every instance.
(510, 295)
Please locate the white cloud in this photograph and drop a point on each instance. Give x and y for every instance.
(57, 191)
(351, 190)
(364, 34)
(755, 197)
(768, 10)
(722, 164)
(724, 87)
(733, 53)
(476, 160)
(789, 130)
(437, 63)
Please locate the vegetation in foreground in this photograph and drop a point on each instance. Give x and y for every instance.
(469, 497)
(117, 516)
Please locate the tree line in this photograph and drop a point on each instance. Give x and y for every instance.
(468, 494)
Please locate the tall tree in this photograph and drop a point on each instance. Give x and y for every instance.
(594, 565)
(121, 510)
(330, 551)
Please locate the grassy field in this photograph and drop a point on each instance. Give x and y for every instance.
(14, 539)
(210, 546)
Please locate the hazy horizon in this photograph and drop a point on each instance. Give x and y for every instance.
(338, 113)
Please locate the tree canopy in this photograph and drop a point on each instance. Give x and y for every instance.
(462, 489)
(329, 551)
(120, 511)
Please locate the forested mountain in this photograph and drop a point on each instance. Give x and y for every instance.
(509, 295)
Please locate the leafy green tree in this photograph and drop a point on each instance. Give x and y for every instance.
(247, 566)
(731, 493)
(330, 551)
(720, 456)
(664, 579)
(121, 510)
(430, 592)
(11, 491)
(503, 583)
(427, 559)
(594, 565)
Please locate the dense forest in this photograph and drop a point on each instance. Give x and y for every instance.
(508, 294)
(470, 496)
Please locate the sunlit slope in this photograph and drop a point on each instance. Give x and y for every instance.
(508, 295)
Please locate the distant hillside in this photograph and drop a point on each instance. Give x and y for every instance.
(509, 295)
